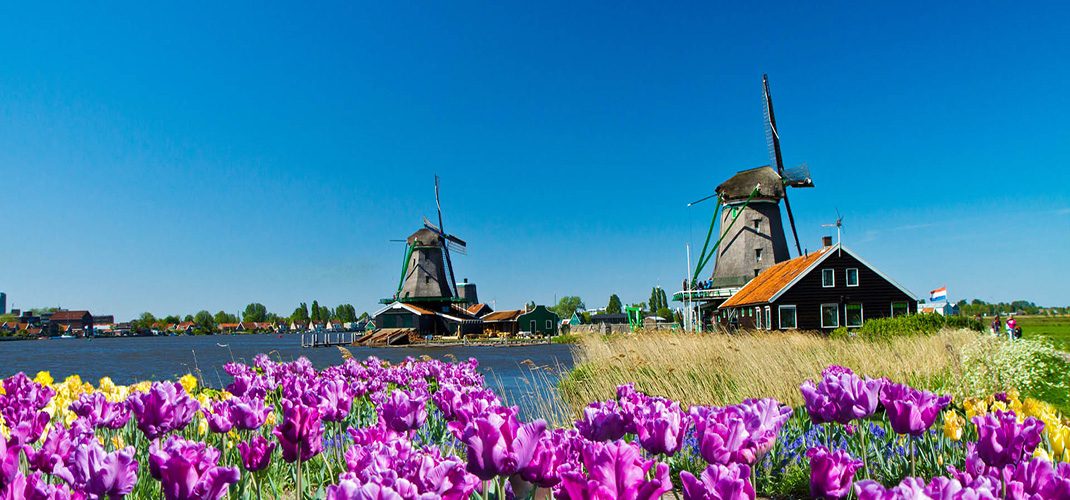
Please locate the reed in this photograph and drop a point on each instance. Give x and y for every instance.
(716, 369)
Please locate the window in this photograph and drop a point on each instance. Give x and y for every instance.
(828, 278)
(899, 309)
(787, 317)
(768, 319)
(757, 254)
(854, 315)
(830, 315)
(548, 326)
(852, 277)
(757, 223)
(756, 271)
(758, 314)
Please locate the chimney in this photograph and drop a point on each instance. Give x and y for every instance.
(826, 241)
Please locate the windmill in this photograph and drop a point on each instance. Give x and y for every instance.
(427, 273)
(745, 248)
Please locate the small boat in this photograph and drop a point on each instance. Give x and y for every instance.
(64, 336)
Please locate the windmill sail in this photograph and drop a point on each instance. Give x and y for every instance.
(775, 157)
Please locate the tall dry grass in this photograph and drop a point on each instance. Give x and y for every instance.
(725, 369)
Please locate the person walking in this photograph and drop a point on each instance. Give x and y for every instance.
(1011, 324)
(997, 325)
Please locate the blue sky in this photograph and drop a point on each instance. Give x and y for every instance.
(201, 156)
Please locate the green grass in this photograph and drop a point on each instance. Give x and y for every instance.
(1054, 329)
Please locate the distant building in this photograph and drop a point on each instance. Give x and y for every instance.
(941, 307)
(539, 321)
(499, 322)
(105, 319)
(609, 319)
(80, 321)
(3, 303)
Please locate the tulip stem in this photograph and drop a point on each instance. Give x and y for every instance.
(865, 449)
(300, 493)
(913, 457)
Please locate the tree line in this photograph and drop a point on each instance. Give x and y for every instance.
(977, 307)
(206, 322)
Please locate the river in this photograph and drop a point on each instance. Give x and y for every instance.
(129, 360)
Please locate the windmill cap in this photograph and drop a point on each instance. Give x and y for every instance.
(740, 186)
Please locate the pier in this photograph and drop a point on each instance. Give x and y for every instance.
(328, 339)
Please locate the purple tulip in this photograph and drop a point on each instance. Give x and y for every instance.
(101, 413)
(404, 410)
(661, 426)
(10, 457)
(220, 418)
(20, 407)
(831, 474)
(556, 449)
(498, 445)
(165, 408)
(841, 396)
(719, 482)
(188, 470)
(300, 433)
(462, 403)
(738, 433)
(1002, 441)
(975, 467)
(248, 414)
(256, 453)
(335, 400)
(940, 488)
(58, 447)
(27, 426)
(33, 487)
(911, 411)
(615, 471)
(1034, 479)
(99, 474)
(604, 422)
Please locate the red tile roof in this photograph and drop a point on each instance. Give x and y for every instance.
(763, 287)
(68, 315)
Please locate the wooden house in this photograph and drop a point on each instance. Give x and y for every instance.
(499, 322)
(823, 290)
(539, 321)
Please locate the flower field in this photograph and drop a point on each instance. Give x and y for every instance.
(430, 429)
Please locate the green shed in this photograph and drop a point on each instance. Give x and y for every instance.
(539, 321)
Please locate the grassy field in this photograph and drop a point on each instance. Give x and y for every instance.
(724, 369)
(1053, 329)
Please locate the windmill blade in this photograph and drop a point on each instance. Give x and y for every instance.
(775, 159)
(432, 227)
(457, 247)
(442, 228)
(449, 270)
(791, 220)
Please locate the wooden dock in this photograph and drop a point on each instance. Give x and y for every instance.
(329, 339)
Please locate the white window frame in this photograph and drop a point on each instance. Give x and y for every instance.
(549, 324)
(861, 315)
(757, 311)
(847, 276)
(906, 306)
(794, 317)
(768, 318)
(832, 273)
(835, 306)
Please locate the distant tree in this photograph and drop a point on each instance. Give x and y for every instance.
(255, 312)
(188, 318)
(664, 298)
(345, 313)
(614, 306)
(655, 299)
(363, 315)
(145, 321)
(171, 320)
(568, 305)
(665, 313)
(530, 305)
(204, 321)
(586, 317)
(301, 313)
(37, 311)
(315, 312)
(224, 317)
(326, 314)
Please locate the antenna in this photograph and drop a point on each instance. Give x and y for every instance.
(839, 226)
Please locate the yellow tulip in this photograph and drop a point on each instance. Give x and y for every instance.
(1042, 453)
(43, 378)
(189, 382)
(953, 425)
(202, 426)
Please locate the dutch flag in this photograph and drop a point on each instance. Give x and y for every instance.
(938, 294)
